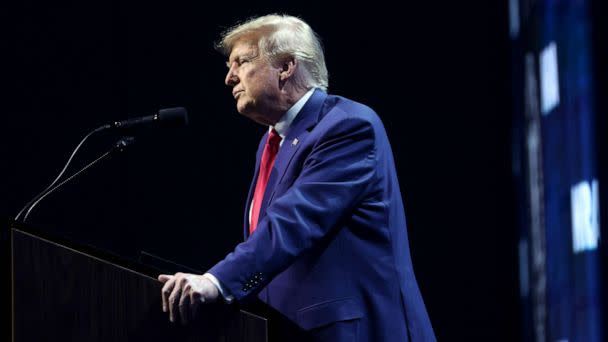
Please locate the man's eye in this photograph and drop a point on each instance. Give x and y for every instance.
(239, 62)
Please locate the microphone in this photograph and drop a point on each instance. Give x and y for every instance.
(165, 118)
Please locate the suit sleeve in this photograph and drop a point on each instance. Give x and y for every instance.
(337, 174)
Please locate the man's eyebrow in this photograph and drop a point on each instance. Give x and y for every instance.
(232, 59)
(239, 56)
(229, 61)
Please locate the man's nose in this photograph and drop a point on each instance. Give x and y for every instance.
(231, 78)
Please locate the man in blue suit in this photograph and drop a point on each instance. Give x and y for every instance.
(325, 234)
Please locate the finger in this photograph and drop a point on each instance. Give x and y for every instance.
(164, 277)
(166, 292)
(184, 302)
(174, 300)
(195, 301)
(184, 308)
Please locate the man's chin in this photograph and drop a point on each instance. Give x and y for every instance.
(257, 117)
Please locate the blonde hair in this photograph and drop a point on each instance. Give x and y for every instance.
(280, 36)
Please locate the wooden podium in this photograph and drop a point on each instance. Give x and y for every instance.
(64, 293)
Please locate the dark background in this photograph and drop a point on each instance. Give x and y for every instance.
(437, 74)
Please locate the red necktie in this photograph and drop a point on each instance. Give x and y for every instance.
(268, 157)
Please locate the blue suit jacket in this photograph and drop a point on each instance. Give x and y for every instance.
(331, 243)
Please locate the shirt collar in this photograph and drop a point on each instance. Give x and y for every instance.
(282, 126)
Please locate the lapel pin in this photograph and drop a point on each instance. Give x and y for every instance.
(295, 142)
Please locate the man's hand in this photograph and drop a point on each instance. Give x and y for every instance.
(184, 292)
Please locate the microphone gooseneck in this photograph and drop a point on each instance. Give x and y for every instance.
(67, 164)
(119, 146)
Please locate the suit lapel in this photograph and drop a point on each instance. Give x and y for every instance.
(252, 185)
(299, 130)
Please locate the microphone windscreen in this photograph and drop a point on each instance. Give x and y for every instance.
(173, 117)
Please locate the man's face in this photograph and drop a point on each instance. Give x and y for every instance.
(254, 82)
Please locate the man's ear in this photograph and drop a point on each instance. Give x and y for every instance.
(288, 68)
